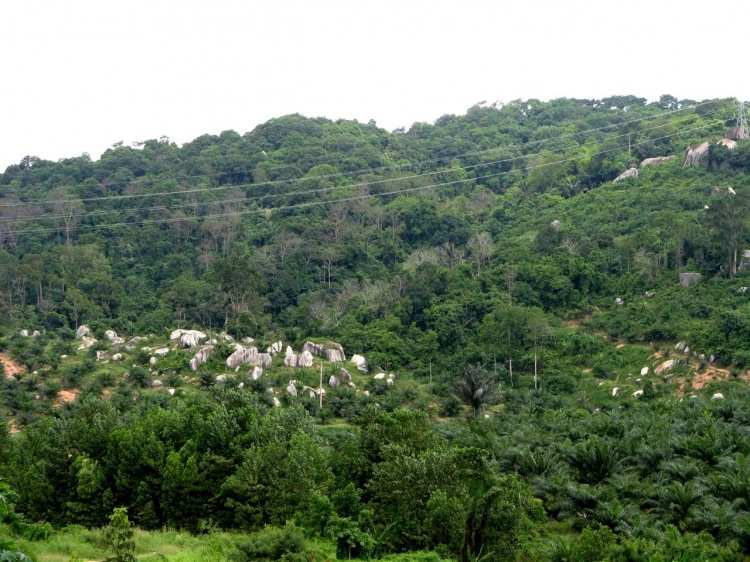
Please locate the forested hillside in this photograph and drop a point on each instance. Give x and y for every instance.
(563, 347)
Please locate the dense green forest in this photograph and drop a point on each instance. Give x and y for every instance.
(563, 349)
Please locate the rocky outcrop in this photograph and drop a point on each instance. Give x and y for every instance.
(102, 355)
(82, 332)
(334, 382)
(615, 392)
(263, 360)
(637, 394)
(162, 352)
(314, 348)
(556, 224)
(697, 154)
(331, 351)
(304, 359)
(255, 373)
(629, 173)
(87, 342)
(687, 279)
(200, 358)
(736, 133)
(360, 362)
(654, 161)
(113, 338)
(292, 388)
(134, 342)
(718, 396)
(379, 376)
(187, 338)
(345, 376)
(275, 348)
(666, 366)
(241, 356)
(117, 357)
(729, 144)
(156, 384)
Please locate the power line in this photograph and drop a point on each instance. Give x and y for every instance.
(342, 174)
(71, 215)
(333, 201)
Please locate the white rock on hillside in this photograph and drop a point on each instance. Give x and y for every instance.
(134, 342)
(200, 358)
(188, 338)
(331, 351)
(82, 332)
(304, 359)
(360, 362)
(113, 338)
(87, 342)
(241, 356)
(666, 366)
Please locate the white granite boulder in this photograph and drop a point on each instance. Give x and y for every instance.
(200, 358)
(360, 362)
(188, 338)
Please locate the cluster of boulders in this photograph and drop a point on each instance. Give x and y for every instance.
(187, 338)
(304, 359)
(244, 354)
(248, 355)
(390, 380)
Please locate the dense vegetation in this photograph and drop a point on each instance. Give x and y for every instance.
(486, 259)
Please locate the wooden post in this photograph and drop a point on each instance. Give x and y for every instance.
(320, 388)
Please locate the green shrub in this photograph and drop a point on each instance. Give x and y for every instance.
(271, 543)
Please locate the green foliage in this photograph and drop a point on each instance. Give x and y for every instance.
(118, 538)
(477, 388)
(507, 246)
(271, 543)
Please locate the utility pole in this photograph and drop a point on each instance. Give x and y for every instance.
(320, 388)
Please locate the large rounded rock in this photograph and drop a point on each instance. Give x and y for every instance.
(241, 356)
(360, 362)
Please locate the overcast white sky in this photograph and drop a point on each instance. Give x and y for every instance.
(80, 75)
